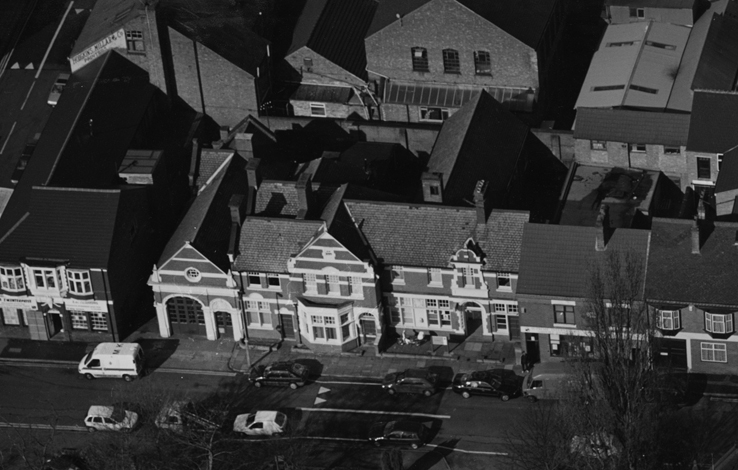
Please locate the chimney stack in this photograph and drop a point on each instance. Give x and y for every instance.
(244, 145)
(480, 191)
(224, 131)
(695, 237)
(252, 172)
(234, 205)
(304, 190)
(602, 225)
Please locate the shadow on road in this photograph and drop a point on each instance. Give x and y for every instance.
(429, 459)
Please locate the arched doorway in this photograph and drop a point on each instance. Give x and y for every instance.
(473, 315)
(186, 316)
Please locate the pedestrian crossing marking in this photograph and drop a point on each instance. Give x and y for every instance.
(29, 66)
(318, 401)
(79, 10)
(15, 66)
(323, 390)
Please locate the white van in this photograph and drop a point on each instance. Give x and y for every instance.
(546, 380)
(113, 360)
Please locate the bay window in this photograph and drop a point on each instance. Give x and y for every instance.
(11, 279)
(718, 323)
(668, 320)
(45, 278)
(79, 282)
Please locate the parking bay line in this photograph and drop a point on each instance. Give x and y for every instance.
(372, 412)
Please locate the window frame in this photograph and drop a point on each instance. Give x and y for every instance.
(333, 284)
(272, 277)
(43, 274)
(504, 286)
(482, 66)
(451, 61)
(566, 310)
(253, 280)
(98, 320)
(674, 319)
(318, 110)
(704, 172)
(261, 310)
(597, 145)
(669, 150)
(636, 148)
(6, 279)
(134, 38)
(712, 349)
(419, 57)
(427, 113)
(397, 274)
(726, 320)
(435, 277)
(73, 284)
(310, 281)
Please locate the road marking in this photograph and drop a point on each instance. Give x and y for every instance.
(51, 44)
(329, 382)
(479, 452)
(58, 427)
(372, 412)
(28, 94)
(6, 59)
(319, 400)
(7, 138)
(323, 390)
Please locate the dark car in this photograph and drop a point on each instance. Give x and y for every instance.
(485, 383)
(411, 381)
(407, 433)
(285, 374)
(67, 459)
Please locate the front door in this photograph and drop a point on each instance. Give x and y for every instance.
(514, 325)
(368, 328)
(54, 322)
(224, 323)
(186, 315)
(532, 349)
(671, 354)
(288, 327)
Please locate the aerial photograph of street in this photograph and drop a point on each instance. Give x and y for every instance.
(368, 234)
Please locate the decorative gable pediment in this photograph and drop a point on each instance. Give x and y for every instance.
(325, 253)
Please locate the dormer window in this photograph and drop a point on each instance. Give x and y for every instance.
(79, 282)
(668, 320)
(469, 273)
(45, 278)
(719, 323)
(11, 279)
(398, 275)
(504, 282)
(254, 279)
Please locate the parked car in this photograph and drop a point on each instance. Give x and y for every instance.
(57, 88)
(179, 416)
(110, 418)
(411, 381)
(407, 433)
(485, 383)
(286, 374)
(261, 423)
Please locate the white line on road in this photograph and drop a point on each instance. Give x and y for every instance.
(372, 412)
(480, 452)
(28, 94)
(7, 138)
(330, 382)
(6, 59)
(51, 44)
(58, 427)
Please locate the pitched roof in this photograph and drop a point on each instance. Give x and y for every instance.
(718, 63)
(111, 92)
(106, 17)
(714, 117)
(727, 179)
(635, 65)
(525, 20)
(266, 245)
(280, 198)
(335, 29)
(220, 26)
(677, 275)
(624, 125)
(555, 258)
(211, 160)
(480, 141)
(652, 3)
(75, 225)
(427, 236)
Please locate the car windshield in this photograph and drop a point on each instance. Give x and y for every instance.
(280, 419)
(389, 427)
(298, 369)
(250, 420)
(118, 414)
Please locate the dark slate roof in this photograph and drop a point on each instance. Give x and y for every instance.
(714, 118)
(482, 140)
(677, 275)
(525, 20)
(727, 179)
(427, 236)
(220, 26)
(623, 125)
(111, 91)
(335, 29)
(652, 3)
(211, 160)
(265, 245)
(555, 258)
(74, 225)
(322, 93)
(279, 199)
(718, 63)
(106, 17)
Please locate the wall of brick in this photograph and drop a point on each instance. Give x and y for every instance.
(560, 143)
(725, 202)
(151, 59)
(621, 14)
(691, 162)
(333, 110)
(443, 24)
(323, 71)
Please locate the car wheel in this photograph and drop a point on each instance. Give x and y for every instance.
(91, 429)
(505, 397)
(391, 391)
(257, 384)
(427, 393)
(414, 445)
(128, 378)
(293, 385)
(89, 376)
(531, 398)
(377, 443)
(465, 394)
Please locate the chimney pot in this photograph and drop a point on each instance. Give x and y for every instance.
(695, 238)
(224, 131)
(480, 191)
(602, 225)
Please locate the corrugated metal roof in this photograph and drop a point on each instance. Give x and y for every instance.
(322, 93)
(714, 117)
(630, 126)
(335, 29)
(635, 65)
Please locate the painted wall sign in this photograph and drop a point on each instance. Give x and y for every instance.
(115, 40)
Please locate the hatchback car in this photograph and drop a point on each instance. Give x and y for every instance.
(485, 383)
(57, 88)
(110, 418)
(285, 374)
(407, 433)
(411, 381)
(261, 423)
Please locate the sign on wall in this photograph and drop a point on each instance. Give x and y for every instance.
(115, 40)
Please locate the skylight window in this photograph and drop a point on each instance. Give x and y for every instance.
(644, 89)
(661, 45)
(607, 87)
(620, 44)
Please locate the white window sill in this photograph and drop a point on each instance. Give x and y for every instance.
(435, 284)
(260, 327)
(565, 325)
(504, 289)
(396, 282)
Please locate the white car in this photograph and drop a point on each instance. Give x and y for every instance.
(57, 88)
(261, 423)
(109, 418)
